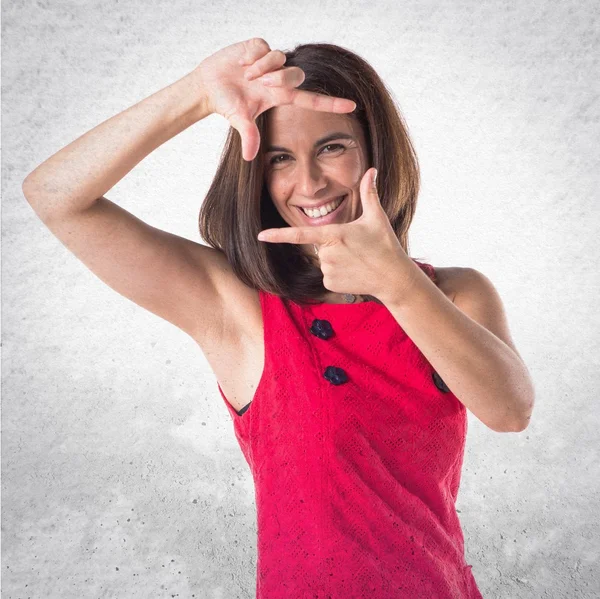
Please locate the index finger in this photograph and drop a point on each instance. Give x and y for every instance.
(296, 235)
(320, 102)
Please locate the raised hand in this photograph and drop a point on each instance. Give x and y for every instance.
(363, 256)
(236, 83)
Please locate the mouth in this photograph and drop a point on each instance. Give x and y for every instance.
(329, 217)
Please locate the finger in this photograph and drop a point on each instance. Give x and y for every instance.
(275, 59)
(250, 136)
(368, 192)
(253, 49)
(285, 77)
(296, 235)
(320, 102)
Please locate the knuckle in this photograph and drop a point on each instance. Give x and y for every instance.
(259, 41)
(299, 74)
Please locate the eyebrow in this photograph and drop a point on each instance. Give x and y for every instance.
(330, 137)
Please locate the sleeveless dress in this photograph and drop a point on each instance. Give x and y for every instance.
(355, 445)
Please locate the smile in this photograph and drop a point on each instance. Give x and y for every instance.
(324, 219)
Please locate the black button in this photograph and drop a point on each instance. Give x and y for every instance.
(439, 383)
(321, 329)
(335, 375)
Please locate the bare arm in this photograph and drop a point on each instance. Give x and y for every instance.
(173, 277)
(77, 176)
(179, 280)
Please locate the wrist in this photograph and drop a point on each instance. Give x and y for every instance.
(196, 90)
(401, 288)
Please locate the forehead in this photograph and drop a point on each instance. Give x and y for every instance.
(292, 125)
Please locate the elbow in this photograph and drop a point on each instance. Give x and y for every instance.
(520, 423)
(525, 414)
(33, 186)
(515, 420)
(35, 198)
(27, 188)
(509, 427)
(521, 415)
(26, 185)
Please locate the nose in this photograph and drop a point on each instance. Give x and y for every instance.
(309, 179)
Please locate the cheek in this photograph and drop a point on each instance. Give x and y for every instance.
(276, 184)
(275, 188)
(353, 169)
(279, 196)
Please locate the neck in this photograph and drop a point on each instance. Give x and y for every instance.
(338, 298)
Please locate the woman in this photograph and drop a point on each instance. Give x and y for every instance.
(347, 366)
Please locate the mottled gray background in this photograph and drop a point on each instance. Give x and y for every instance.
(121, 473)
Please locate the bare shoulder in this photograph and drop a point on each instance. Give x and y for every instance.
(474, 294)
(450, 279)
(460, 283)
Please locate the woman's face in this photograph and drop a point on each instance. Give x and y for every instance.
(313, 158)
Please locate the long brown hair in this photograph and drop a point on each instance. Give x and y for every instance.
(238, 204)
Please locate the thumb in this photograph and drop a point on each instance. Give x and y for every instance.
(368, 192)
(372, 178)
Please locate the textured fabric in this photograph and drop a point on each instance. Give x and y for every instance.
(355, 445)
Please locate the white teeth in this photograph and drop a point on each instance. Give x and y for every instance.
(323, 210)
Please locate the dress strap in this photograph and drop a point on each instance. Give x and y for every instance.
(427, 269)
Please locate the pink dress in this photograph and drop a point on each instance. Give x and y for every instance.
(356, 446)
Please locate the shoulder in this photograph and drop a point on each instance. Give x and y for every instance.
(470, 285)
(449, 279)
(465, 286)
(460, 282)
(474, 294)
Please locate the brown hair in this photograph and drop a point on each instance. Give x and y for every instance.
(238, 204)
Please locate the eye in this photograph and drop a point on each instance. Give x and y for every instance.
(334, 146)
(275, 160)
